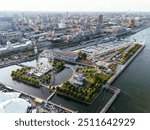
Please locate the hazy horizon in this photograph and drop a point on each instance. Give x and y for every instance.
(76, 6)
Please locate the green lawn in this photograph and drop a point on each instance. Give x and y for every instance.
(103, 76)
(87, 71)
(127, 55)
(91, 79)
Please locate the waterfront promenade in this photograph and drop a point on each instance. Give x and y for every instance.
(115, 90)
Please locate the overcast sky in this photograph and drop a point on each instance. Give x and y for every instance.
(75, 5)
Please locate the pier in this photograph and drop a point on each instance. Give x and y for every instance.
(51, 96)
(111, 80)
(116, 92)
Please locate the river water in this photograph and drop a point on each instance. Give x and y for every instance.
(134, 82)
(5, 78)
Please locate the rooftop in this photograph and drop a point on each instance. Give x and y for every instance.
(11, 103)
(65, 53)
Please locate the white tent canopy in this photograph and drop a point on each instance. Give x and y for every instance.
(11, 103)
(8, 95)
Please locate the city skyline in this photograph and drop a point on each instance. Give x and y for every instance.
(77, 6)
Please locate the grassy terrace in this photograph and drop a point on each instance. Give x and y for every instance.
(91, 79)
(88, 91)
(86, 70)
(121, 50)
(127, 55)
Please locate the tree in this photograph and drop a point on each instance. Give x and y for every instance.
(82, 55)
(87, 98)
(58, 89)
(74, 94)
(77, 69)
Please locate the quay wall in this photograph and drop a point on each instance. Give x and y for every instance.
(117, 91)
(110, 81)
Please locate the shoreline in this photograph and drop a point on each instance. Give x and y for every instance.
(108, 85)
(112, 79)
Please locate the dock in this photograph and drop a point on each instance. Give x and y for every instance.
(116, 92)
(113, 78)
(51, 96)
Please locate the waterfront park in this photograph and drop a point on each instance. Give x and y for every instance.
(86, 82)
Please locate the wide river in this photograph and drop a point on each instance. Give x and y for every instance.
(134, 82)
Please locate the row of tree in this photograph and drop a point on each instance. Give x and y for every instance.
(82, 55)
(59, 65)
(126, 56)
(45, 79)
(82, 93)
(21, 75)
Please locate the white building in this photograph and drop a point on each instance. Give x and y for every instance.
(16, 47)
(62, 24)
(77, 79)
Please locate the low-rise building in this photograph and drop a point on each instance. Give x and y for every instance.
(77, 79)
(16, 47)
(65, 55)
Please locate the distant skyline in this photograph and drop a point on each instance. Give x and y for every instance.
(76, 5)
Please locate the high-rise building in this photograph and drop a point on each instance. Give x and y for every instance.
(130, 22)
(87, 25)
(9, 45)
(99, 24)
(100, 19)
(35, 47)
